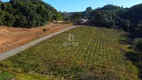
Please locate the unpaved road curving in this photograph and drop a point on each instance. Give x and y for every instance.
(15, 51)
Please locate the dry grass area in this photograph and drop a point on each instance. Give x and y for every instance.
(13, 37)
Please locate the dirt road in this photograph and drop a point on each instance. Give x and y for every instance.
(31, 44)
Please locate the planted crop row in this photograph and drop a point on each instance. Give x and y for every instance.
(99, 56)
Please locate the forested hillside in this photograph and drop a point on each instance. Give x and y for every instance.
(27, 13)
(112, 16)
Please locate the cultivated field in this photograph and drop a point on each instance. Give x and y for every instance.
(94, 54)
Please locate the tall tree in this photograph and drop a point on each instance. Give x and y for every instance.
(88, 12)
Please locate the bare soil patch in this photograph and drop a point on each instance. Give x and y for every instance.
(11, 38)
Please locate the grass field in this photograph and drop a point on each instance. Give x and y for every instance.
(98, 56)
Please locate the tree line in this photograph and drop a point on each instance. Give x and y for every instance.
(27, 13)
(112, 16)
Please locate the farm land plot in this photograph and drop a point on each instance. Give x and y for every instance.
(98, 56)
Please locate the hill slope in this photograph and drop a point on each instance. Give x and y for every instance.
(97, 54)
(27, 13)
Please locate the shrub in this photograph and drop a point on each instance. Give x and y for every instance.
(44, 30)
(139, 30)
(6, 76)
(138, 44)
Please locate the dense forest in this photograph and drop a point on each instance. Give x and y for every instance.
(27, 13)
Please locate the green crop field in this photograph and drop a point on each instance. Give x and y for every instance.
(94, 54)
